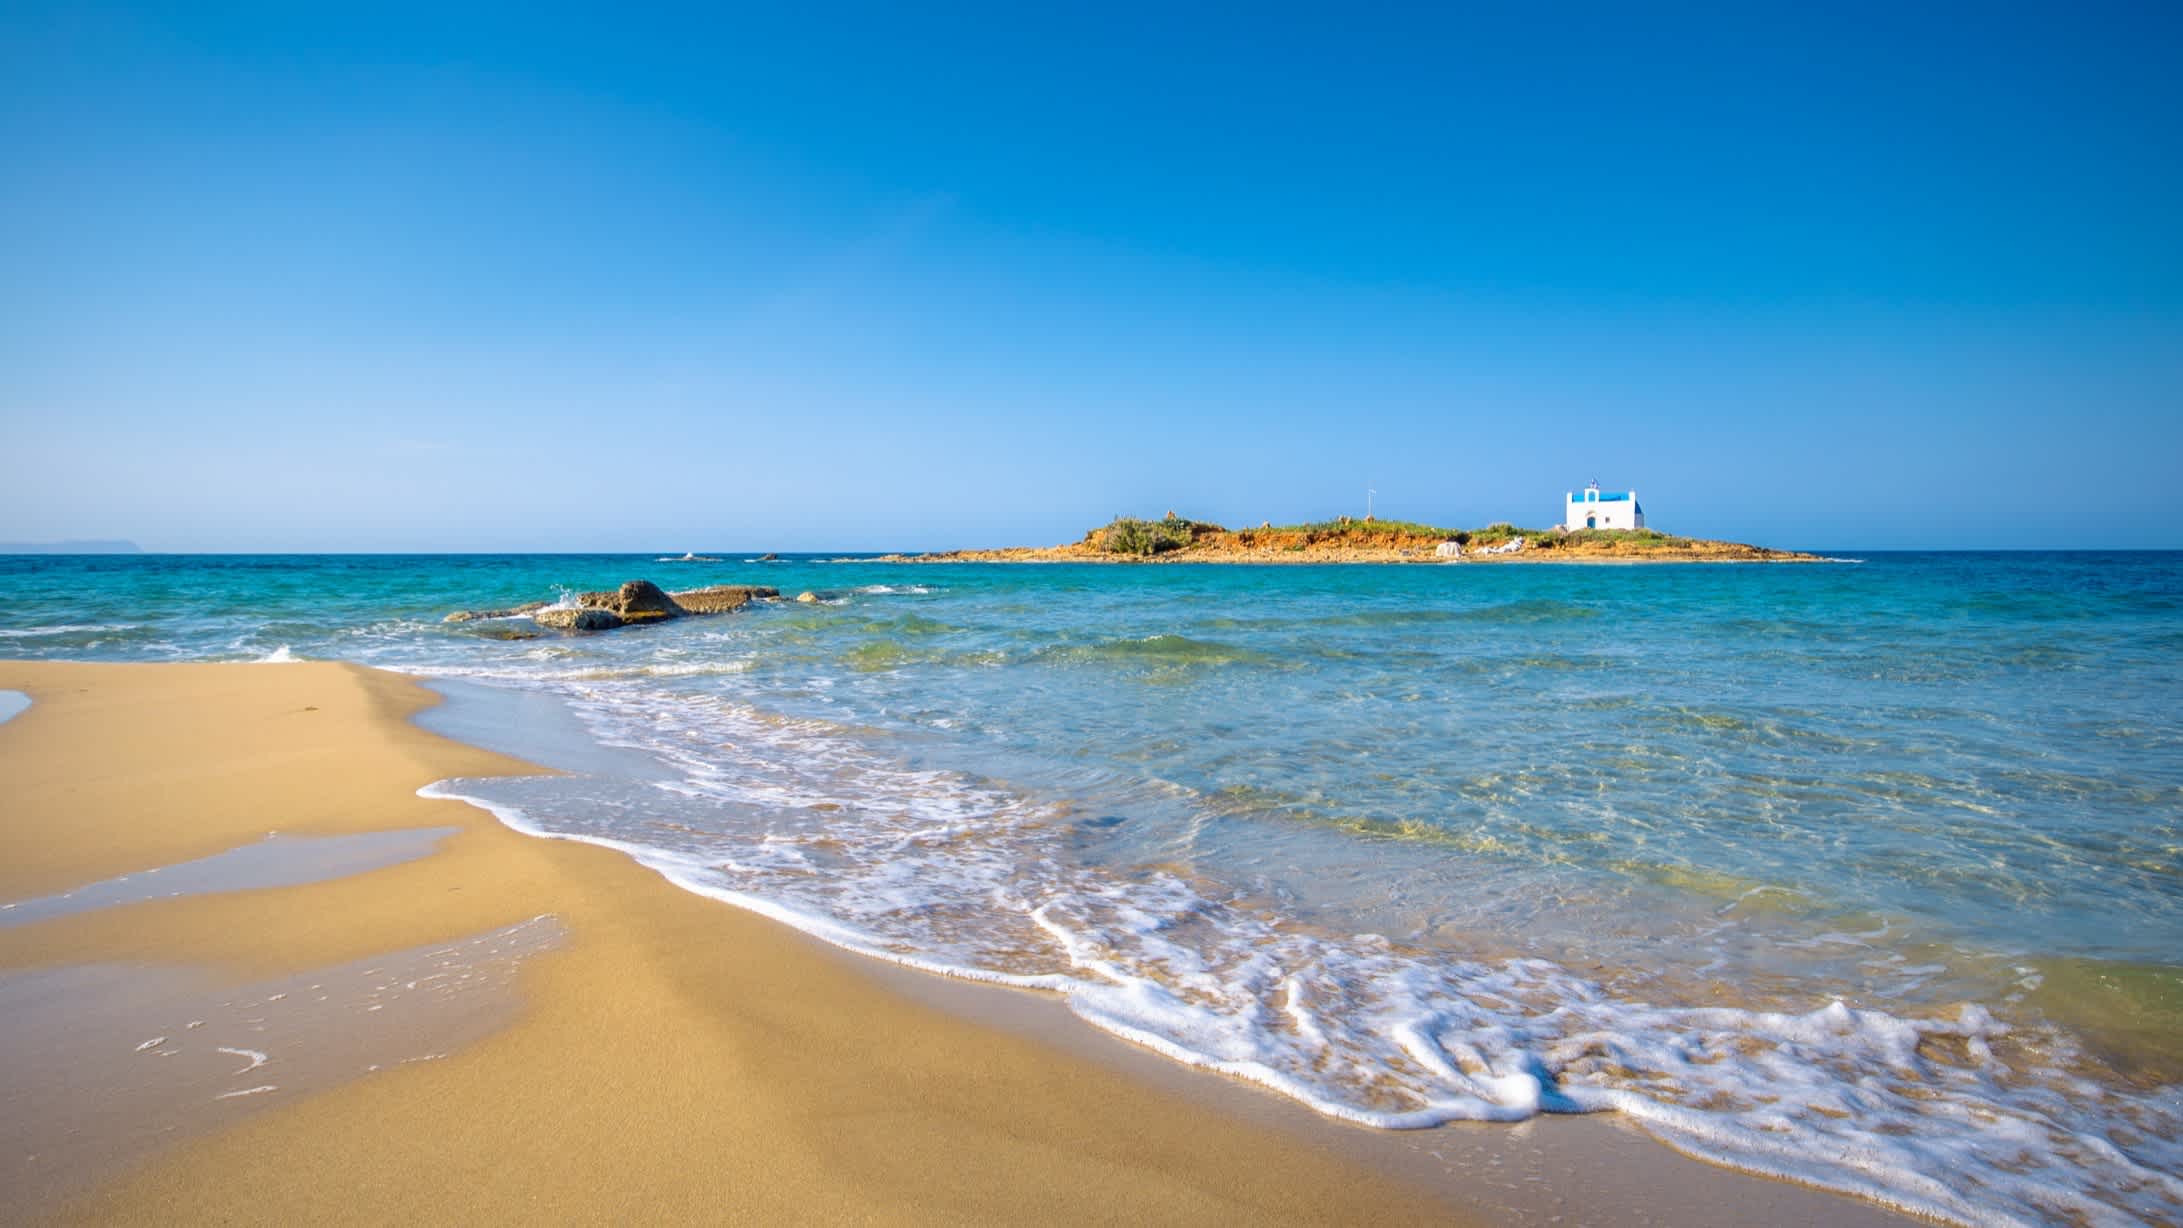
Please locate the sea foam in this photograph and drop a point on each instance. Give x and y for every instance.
(798, 820)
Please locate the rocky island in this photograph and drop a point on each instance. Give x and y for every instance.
(1175, 539)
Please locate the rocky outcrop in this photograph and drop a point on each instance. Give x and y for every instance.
(580, 618)
(643, 601)
(635, 603)
(807, 597)
(465, 616)
(722, 598)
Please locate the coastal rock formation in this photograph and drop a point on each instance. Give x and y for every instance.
(581, 618)
(807, 597)
(633, 604)
(721, 598)
(636, 601)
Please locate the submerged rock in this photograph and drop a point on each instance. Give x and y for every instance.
(465, 616)
(507, 633)
(807, 597)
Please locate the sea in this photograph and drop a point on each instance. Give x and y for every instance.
(1867, 873)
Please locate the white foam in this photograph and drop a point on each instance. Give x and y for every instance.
(257, 1058)
(589, 673)
(249, 1091)
(686, 669)
(15, 633)
(279, 656)
(688, 874)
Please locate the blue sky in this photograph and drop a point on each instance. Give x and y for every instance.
(537, 278)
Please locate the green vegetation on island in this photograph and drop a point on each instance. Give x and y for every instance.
(1132, 537)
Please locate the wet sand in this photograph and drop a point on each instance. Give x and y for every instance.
(664, 1058)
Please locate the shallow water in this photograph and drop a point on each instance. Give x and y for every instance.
(1410, 844)
(276, 861)
(109, 1063)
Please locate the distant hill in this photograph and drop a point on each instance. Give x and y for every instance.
(82, 547)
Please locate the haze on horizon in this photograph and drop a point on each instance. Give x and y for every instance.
(407, 278)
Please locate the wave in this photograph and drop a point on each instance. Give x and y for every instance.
(1955, 1115)
(14, 633)
(527, 672)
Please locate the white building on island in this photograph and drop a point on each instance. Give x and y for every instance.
(1593, 508)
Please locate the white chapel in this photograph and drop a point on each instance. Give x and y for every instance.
(1593, 508)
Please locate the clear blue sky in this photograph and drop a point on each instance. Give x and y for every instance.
(792, 277)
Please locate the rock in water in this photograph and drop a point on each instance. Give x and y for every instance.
(507, 633)
(641, 601)
(636, 601)
(633, 604)
(807, 597)
(721, 598)
(583, 619)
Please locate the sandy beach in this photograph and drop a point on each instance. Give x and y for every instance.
(649, 1055)
(1489, 616)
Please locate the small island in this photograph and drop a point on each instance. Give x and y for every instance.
(1176, 539)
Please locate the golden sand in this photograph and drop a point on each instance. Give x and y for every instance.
(676, 1060)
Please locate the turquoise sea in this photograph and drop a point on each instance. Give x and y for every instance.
(1866, 873)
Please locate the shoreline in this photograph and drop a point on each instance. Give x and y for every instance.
(707, 1057)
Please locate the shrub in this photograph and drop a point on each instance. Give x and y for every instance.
(1144, 538)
